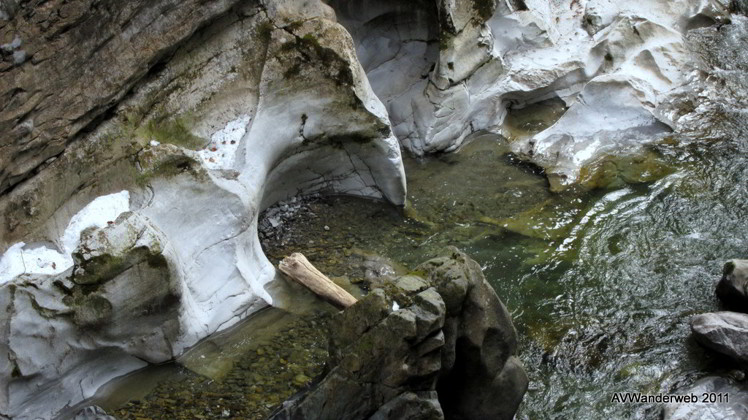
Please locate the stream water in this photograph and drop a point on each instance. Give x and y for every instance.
(601, 281)
(601, 284)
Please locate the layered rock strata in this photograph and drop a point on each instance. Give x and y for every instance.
(202, 114)
(152, 147)
(442, 346)
(448, 69)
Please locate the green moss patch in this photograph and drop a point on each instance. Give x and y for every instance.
(172, 131)
(484, 8)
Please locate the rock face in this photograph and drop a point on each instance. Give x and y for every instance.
(54, 83)
(732, 288)
(93, 413)
(187, 119)
(735, 408)
(724, 332)
(445, 72)
(169, 130)
(443, 347)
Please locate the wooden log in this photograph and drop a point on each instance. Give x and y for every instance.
(301, 270)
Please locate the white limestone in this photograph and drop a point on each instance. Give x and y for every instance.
(177, 257)
(614, 63)
(221, 151)
(21, 259)
(273, 135)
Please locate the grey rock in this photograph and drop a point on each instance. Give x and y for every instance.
(427, 360)
(735, 408)
(723, 332)
(411, 284)
(411, 406)
(740, 6)
(93, 412)
(170, 77)
(97, 54)
(732, 288)
(481, 378)
(75, 332)
(19, 57)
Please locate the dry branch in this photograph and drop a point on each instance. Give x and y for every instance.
(301, 270)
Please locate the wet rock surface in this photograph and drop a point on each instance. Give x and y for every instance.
(113, 312)
(729, 401)
(427, 348)
(727, 334)
(724, 332)
(224, 111)
(732, 288)
(92, 413)
(284, 78)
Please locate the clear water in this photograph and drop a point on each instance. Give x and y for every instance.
(602, 291)
(601, 283)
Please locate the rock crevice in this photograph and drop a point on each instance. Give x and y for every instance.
(441, 346)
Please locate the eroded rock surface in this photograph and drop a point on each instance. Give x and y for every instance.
(733, 286)
(234, 108)
(205, 113)
(723, 332)
(64, 64)
(730, 401)
(624, 71)
(433, 348)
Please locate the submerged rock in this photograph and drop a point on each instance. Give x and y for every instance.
(732, 288)
(202, 114)
(719, 399)
(93, 413)
(441, 347)
(227, 108)
(723, 332)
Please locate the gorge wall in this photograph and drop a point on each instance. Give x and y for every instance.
(142, 139)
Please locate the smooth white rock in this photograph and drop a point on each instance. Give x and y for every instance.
(20, 259)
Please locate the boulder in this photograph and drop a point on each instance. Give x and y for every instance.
(114, 311)
(730, 401)
(723, 332)
(433, 348)
(732, 288)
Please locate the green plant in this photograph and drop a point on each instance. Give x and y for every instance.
(172, 131)
(485, 8)
(265, 31)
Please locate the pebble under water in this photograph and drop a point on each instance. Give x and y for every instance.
(601, 283)
(601, 280)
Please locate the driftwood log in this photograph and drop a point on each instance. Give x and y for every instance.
(301, 270)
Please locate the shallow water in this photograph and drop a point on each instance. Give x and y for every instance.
(601, 283)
